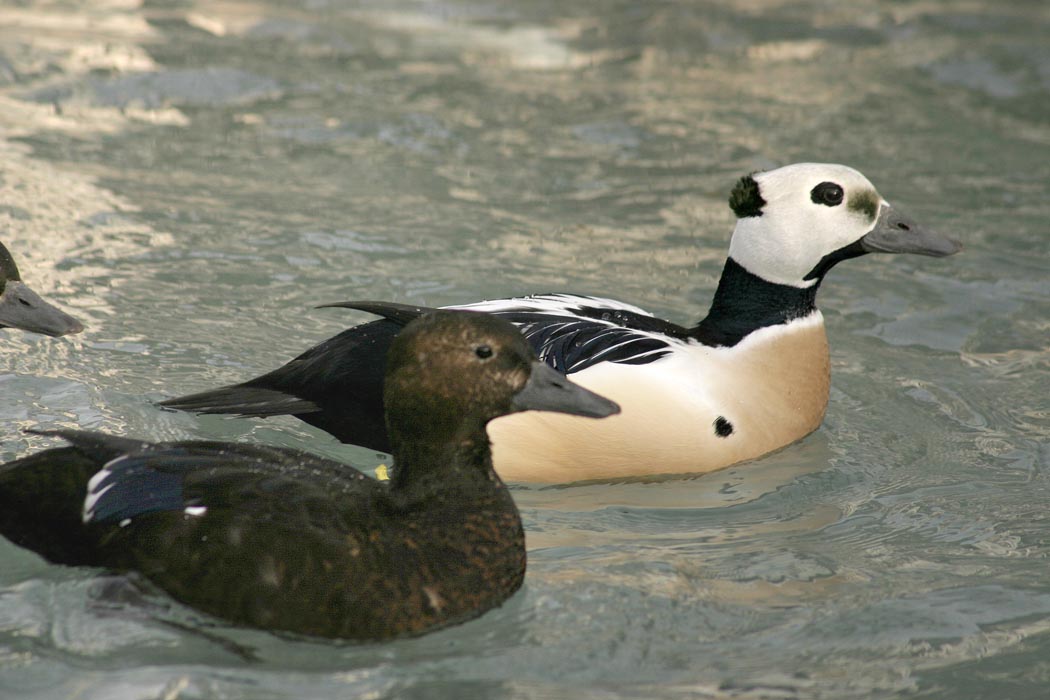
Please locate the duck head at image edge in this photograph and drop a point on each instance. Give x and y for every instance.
(22, 308)
(751, 377)
(280, 539)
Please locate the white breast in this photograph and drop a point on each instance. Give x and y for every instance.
(772, 387)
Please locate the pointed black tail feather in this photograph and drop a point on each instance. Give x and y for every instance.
(401, 314)
(242, 400)
(101, 447)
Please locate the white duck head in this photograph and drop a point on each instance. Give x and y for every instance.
(797, 221)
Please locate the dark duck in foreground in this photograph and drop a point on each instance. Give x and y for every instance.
(22, 308)
(751, 377)
(282, 540)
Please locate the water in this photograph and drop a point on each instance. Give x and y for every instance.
(191, 178)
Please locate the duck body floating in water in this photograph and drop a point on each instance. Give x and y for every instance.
(751, 377)
(283, 540)
(22, 308)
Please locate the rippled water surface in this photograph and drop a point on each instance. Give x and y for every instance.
(192, 177)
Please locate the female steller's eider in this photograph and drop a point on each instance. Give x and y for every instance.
(22, 308)
(283, 540)
(751, 377)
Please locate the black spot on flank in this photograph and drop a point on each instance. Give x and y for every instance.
(745, 199)
(827, 193)
(723, 428)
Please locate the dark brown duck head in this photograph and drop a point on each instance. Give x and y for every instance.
(449, 373)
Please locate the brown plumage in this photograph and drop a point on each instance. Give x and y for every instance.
(283, 540)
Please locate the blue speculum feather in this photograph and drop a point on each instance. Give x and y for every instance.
(137, 484)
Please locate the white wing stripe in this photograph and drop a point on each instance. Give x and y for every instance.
(554, 304)
(92, 498)
(609, 349)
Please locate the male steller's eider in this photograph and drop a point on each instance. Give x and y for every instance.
(751, 377)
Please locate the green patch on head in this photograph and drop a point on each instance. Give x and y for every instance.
(745, 199)
(865, 202)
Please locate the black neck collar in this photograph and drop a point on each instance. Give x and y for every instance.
(744, 302)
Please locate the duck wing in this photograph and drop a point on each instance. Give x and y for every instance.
(63, 503)
(269, 537)
(572, 332)
(337, 385)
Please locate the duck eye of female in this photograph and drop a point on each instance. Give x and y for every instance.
(483, 351)
(827, 193)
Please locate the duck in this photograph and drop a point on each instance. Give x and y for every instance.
(286, 541)
(22, 308)
(751, 377)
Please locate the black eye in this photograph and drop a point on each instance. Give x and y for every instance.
(483, 351)
(828, 194)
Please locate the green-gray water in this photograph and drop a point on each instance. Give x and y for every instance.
(191, 178)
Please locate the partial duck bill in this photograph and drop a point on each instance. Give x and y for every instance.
(21, 307)
(896, 232)
(550, 390)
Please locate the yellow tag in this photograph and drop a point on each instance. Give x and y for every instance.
(382, 474)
